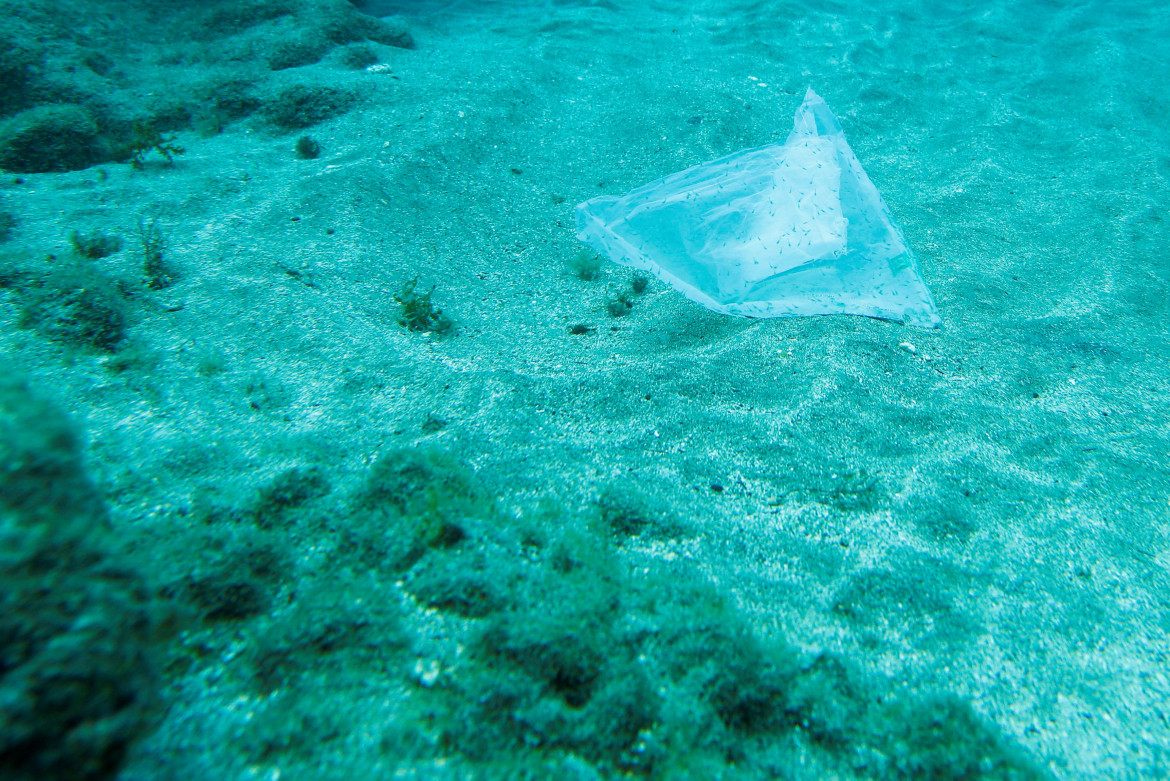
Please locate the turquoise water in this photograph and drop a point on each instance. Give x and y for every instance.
(270, 509)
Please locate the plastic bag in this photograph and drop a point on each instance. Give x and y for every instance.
(785, 230)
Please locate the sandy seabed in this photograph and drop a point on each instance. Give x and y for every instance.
(981, 510)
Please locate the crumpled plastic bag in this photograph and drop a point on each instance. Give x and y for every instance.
(784, 230)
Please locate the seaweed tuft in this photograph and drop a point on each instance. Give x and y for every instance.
(417, 313)
(146, 139)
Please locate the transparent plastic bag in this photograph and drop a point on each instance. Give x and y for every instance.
(784, 230)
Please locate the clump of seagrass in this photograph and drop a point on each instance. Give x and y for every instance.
(417, 313)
